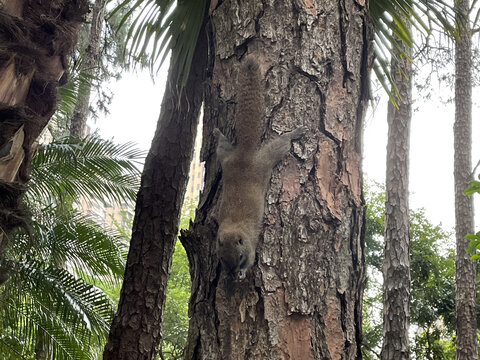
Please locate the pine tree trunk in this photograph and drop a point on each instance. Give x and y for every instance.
(136, 329)
(396, 265)
(466, 273)
(36, 38)
(89, 67)
(302, 298)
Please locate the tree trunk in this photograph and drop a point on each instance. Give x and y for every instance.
(136, 329)
(465, 268)
(302, 298)
(89, 67)
(396, 264)
(36, 38)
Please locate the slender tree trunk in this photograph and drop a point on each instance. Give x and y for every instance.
(466, 273)
(396, 264)
(89, 67)
(36, 38)
(136, 329)
(302, 298)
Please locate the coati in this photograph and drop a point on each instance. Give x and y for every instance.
(246, 170)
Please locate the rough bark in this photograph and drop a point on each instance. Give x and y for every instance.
(396, 264)
(35, 37)
(136, 329)
(90, 68)
(466, 269)
(302, 298)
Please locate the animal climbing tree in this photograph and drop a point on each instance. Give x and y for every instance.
(302, 297)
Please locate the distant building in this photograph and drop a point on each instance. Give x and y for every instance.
(108, 213)
(197, 170)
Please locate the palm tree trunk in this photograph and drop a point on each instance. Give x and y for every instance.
(396, 265)
(466, 272)
(31, 65)
(136, 329)
(89, 67)
(302, 298)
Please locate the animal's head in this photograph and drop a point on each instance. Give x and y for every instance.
(235, 251)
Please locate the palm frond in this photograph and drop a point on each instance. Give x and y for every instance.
(159, 26)
(389, 20)
(76, 87)
(76, 240)
(72, 314)
(90, 167)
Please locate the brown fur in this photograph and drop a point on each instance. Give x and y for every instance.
(246, 171)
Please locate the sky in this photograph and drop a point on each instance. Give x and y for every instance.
(136, 105)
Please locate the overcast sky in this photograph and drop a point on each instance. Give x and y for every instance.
(136, 106)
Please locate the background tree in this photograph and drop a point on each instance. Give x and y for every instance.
(432, 283)
(89, 66)
(396, 264)
(466, 268)
(137, 326)
(99, 57)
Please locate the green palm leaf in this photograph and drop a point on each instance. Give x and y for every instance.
(159, 26)
(389, 20)
(76, 86)
(90, 167)
(75, 240)
(51, 297)
(51, 301)
(163, 25)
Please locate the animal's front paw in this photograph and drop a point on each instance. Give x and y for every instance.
(299, 132)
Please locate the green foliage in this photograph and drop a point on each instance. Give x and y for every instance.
(375, 226)
(90, 167)
(175, 319)
(68, 94)
(371, 322)
(432, 273)
(391, 19)
(474, 188)
(432, 287)
(435, 344)
(51, 293)
(73, 316)
(53, 306)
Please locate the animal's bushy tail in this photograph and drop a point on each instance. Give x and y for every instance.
(250, 106)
